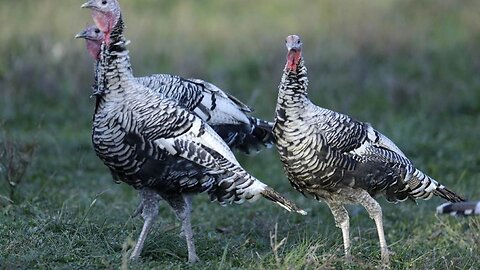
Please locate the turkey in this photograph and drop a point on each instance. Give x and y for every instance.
(460, 208)
(151, 143)
(338, 159)
(227, 115)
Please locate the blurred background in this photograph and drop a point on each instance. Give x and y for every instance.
(411, 68)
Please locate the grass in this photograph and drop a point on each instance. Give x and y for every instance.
(409, 68)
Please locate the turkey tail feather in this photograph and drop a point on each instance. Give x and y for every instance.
(448, 195)
(262, 130)
(260, 136)
(275, 197)
(248, 138)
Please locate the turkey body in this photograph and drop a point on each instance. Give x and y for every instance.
(324, 151)
(127, 134)
(120, 140)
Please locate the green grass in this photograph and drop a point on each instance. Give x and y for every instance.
(411, 69)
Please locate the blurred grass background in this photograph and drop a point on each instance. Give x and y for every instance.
(408, 67)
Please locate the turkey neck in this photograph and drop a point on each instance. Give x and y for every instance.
(114, 70)
(292, 92)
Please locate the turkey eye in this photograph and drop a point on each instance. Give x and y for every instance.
(104, 2)
(97, 31)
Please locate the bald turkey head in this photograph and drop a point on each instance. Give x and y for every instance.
(94, 38)
(105, 14)
(294, 47)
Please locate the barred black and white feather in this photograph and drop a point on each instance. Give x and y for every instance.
(460, 208)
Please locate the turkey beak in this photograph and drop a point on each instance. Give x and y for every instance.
(90, 4)
(294, 47)
(82, 34)
(293, 50)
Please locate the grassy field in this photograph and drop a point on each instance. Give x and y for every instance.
(411, 68)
